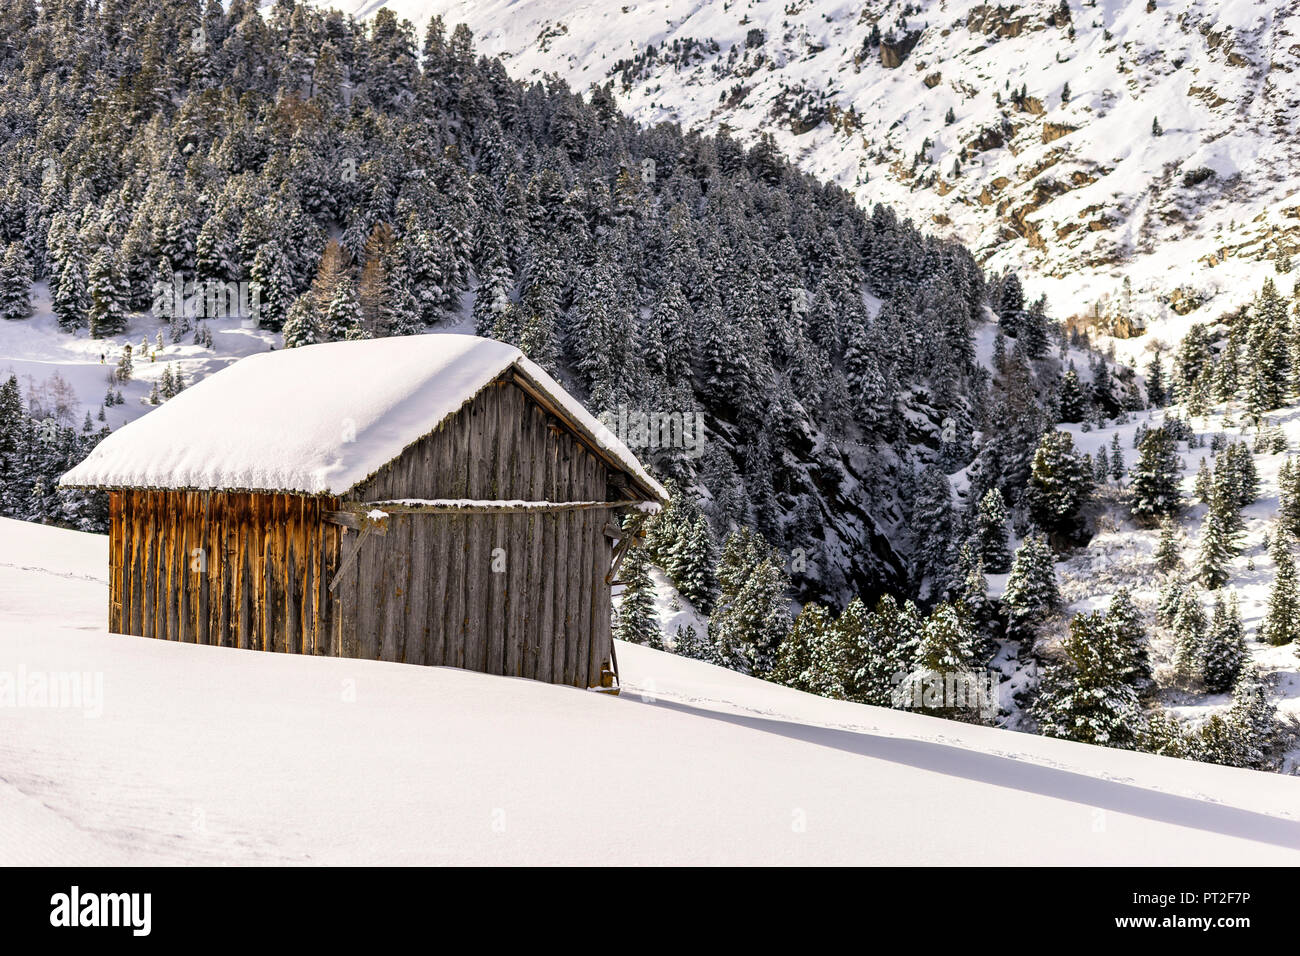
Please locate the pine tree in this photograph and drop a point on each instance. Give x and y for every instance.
(1085, 696)
(1168, 554)
(1282, 619)
(15, 283)
(272, 279)
(1101, 466)
(1225, 646)
(1254, 718)
(752, 616)
(1189, 624)
(1126, 626)
(343, 317)
(991, 532)
(302, 326)
(1116, 458)
(946, 651)
(690, 562)
(638, 622)
(808, 636)
(1059, 484)
(1155, 477)
(1070, 399)
(1218, 545)
(933, 522)
(1268, 368)
(108, 295)
(1011, 305)
(1157, 394)
(688, 643)
(1204, 485)
(1288, 514)
(1031, 590)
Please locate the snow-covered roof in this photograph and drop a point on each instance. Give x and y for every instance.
(323, 418)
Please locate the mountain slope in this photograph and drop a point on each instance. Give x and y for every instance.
(211, 755)
(1079, 193)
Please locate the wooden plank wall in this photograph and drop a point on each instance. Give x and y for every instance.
(236, 570)
(522, 595)
(516, 594)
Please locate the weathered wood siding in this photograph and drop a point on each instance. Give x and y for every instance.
(522, 595)
(235, 570)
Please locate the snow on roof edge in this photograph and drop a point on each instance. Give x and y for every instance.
(170, 463)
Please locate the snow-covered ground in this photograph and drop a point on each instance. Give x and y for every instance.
(38, 352)
(210, 755)
(1123, 553)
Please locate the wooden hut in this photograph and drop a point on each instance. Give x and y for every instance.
(432, 499)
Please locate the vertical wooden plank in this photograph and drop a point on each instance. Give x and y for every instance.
(138, 538)
(572, 576)
(438, 540)
(185, 534)
(115, 539)
(293, 575)
(497, 527)
(600, 561)
(478, 553)
(544, 633)
(582, 622)
(149, 561)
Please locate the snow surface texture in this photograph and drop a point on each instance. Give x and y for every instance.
(215, 755)
(318, 419)
(1080, 193)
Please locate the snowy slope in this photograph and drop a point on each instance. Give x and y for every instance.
(213, 755)
(1122, 554)
(39, 353)
(1080, 193)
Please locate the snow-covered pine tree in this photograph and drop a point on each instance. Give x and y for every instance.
(1154, 478)
(1218, 540)
(947, 648)
(990, 538)
(1116, 458)
(1060, 482)
(638, 622)
(752, 615)
(1169, 553)
(1157, 394)
(343, 318)
(1189, 625)
(690, 561)
(1288, 483)
(1011, 305)
(1281, 623)
(1031, 591)
(1225, 646)
(795, 659)
(1101, 466)
(303, 324)
(108, 295)
(15, 283)
(1128, 629)
(1268, 365)
(1071, 401)
(933, 524)
(1085, 696)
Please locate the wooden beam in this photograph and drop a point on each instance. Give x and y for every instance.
(368, 525)
(624, 546)
(451, 506)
